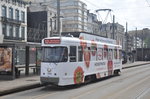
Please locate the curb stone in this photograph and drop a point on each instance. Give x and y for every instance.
(20, 88)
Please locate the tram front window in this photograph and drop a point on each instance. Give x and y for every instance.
(55, 54)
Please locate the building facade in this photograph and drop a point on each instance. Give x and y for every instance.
(119, 34)
(75, 16)
(13, 20)
(41, 22)
(93, 25)
(141, 38)
(74, 13)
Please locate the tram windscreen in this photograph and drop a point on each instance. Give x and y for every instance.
(54, 54)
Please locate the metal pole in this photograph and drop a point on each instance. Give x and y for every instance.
(136, 44)
(27, 61)
(113, 27)
(51, 28)
(126, 37)
(58, 18)
(142, 45)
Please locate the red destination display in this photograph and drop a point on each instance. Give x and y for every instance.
(52, 41)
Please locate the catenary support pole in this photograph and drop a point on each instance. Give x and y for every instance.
(58, 18)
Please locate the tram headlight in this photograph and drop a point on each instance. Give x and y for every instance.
(49, 70)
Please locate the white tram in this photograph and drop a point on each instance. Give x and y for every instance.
(76, 60)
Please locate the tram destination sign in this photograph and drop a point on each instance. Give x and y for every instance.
(52, 41)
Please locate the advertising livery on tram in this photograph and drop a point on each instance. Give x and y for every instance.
(70, 59)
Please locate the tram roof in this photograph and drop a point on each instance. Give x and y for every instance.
(74, 39)
(77, 34)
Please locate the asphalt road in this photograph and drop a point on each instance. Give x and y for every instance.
(134, 83)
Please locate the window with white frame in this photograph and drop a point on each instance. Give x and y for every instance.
(4, 11)
(11, 13)
(22, 32)
(22, 16)
(17, 31)
(4, 29)
(11, 30)
(17, 15)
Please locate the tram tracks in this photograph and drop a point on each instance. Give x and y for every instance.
(142, 93)
(117, 94)
(93, 90)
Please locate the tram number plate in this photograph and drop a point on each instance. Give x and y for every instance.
(49, 73)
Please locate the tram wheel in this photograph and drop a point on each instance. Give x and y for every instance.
(117, 72)
(90, 78)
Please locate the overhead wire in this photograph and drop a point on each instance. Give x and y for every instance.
(100, 17)
(94, 5)
(123, 19)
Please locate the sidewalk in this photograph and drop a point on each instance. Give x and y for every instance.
(129, 65)
(19, 84)
(30, 82)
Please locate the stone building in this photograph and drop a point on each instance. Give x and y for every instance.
(140, 37)
(75, 16)
(93, 25)
(13, 21)
(74, 13)
(119, 34)
(41, 21)
(13, 37)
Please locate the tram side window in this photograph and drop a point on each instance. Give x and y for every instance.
(99, 54)
(105, 53)
(110, 54)
(72, 54)
(115, 53)
(120, 54)
(80, 54)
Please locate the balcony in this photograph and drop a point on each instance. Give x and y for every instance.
(11, 21)
(13, 38)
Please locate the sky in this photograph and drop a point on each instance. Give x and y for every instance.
(135, 12)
